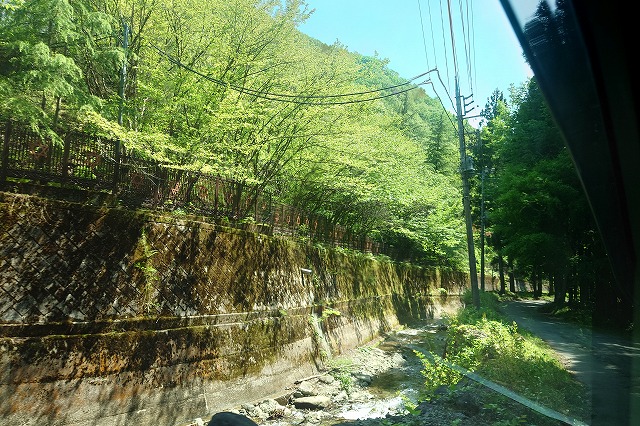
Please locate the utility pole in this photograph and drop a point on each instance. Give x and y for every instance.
(482, 173)
(465, 169)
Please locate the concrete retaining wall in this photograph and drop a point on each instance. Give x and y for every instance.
(113, 317)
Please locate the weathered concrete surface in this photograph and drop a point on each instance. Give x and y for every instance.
(113, 317)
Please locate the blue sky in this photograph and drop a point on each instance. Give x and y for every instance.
(394, 29)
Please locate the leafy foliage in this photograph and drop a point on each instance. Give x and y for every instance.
(538, 216)
(231, 87)
(499, 351)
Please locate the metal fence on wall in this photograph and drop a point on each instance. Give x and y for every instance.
(97, 163)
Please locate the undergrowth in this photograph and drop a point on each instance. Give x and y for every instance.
(485, 342)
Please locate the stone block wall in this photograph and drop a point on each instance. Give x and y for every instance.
(114, 317)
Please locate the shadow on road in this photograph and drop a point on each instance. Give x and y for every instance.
(604, 361)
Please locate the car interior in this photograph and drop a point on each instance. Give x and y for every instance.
(582, 55)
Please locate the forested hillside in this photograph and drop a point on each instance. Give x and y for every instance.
(233, 88)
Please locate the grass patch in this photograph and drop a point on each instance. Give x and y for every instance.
(340, 369)
(484, 341)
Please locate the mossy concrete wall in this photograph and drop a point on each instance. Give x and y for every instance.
(113, 317)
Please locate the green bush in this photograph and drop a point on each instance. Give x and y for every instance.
(483, 341)
(436, 373)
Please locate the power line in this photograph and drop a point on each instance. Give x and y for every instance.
(424, 41)
(472, 33)
(473, 29)
(302, 99)
(453, 41)
(433, 42)
(455, 128)
(446, 91)
(466, 39)
(444, 42)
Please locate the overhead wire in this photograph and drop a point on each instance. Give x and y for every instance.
(455, 127)
(453, 40)
(466, 40)
(424, 40)
(446, 90)
(317, 99)
(444, 86)
(472, 45)
(433, 42)
(444, 42)
(302, 99)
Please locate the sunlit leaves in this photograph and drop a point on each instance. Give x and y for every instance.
(231, 87)
(44, 46)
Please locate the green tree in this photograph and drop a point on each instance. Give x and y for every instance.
(541, 215)
(40, 48)
(231, 87)
(496, 127)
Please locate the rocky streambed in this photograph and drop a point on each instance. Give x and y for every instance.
(381, 384)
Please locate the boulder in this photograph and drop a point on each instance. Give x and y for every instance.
(317, 402)
(226, 418)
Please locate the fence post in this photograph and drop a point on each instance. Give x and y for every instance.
(272, 214)
(116, 168)
(191, 179)
(65, 156)
(215, 199)
(5, 152)
(255, 205)
(237, 199)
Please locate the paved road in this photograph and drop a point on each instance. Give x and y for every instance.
(602, 361)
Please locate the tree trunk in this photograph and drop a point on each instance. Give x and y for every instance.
(512, 278)
(535, 277)
(571, 287)
(560, 287)
(501, 272)
(539, 284)
(57, 113)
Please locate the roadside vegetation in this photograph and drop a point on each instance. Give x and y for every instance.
(484, 342)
